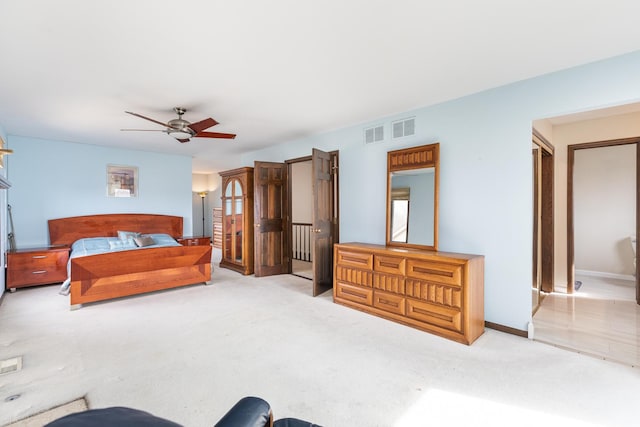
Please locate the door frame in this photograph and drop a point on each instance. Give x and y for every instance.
(546, 224)
(335, 156)
(571, 149)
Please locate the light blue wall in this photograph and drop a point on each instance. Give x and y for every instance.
(54, 179)
(485, 170)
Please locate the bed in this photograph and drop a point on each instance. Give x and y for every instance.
(122, 273)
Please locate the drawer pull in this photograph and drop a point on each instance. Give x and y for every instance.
(388, 302)
(435, 272)
(38, 256)
(432, 314)
(352, 259)
(39, 272)
(352, 293)
(389, 264)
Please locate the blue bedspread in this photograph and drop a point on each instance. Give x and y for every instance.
(101, 245)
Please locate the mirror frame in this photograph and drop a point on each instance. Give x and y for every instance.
(424, 156)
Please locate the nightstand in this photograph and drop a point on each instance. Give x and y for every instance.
(36, 266)
(194, 240)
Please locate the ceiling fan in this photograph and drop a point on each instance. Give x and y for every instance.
(183, 130)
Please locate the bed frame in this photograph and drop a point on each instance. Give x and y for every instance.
(118, 274)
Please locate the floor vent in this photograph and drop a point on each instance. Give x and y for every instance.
(8, 366)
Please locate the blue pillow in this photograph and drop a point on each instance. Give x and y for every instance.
(121, 244)
(124, 235)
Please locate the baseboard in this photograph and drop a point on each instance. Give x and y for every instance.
(507, 329)
(605, 275)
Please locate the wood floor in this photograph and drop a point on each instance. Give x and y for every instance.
(601, 319)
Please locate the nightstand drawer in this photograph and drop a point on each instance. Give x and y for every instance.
(37, 267)
(37, 259)
(18, 279)
(194, 241)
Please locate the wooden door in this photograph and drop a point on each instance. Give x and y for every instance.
(270, 233)
(322, 228)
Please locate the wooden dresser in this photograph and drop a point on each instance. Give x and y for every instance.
(437, 292)
(36, 266)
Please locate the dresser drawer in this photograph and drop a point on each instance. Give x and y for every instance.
(389, 302)
(357, 294)
(450, 274)
(354, 276)
(445, 317)
(389, 283)
(389, 264)
(354, 259)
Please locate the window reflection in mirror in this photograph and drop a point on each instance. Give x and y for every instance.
(400, 214)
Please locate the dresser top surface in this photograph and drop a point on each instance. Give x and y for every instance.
(392, 250)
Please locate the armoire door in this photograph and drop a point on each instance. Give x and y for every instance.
(270, 206)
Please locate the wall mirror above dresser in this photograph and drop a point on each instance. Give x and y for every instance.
(412, 197)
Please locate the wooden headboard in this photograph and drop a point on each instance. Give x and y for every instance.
(65, 231)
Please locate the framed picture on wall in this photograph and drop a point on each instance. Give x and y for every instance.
(122, 181)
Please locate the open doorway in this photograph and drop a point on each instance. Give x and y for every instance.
(602, 216)
(584, 311)
(314, 221)
(301, 218)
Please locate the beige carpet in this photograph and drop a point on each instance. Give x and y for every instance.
(189, 354)
(52, 414)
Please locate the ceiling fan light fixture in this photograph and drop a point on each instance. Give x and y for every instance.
(179, 134)
(183, 130)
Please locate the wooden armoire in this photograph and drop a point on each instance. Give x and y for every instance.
(237, 220)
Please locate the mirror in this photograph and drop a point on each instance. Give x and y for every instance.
(412, 197)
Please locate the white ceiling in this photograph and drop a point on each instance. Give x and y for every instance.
(275, 71)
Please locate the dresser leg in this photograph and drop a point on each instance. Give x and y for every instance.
(12, 290)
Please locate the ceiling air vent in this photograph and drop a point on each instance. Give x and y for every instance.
(374, 134)
(405, 127)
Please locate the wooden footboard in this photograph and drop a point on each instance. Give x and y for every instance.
(118, 274)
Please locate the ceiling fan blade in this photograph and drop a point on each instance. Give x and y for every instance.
(215, 135)
(147, 118)
(198, 127)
